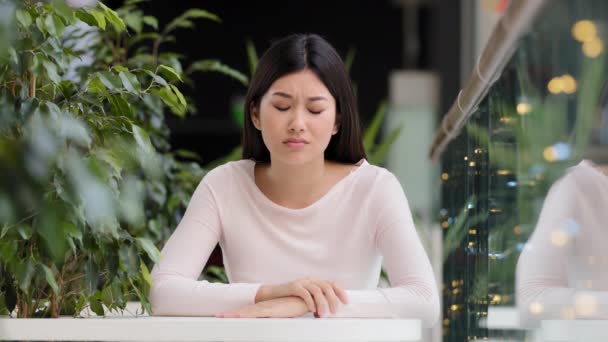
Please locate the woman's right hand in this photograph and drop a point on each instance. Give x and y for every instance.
(320, 296)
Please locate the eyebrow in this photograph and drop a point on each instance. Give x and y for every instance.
(313, 98)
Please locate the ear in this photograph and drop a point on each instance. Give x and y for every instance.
(255, 116)
(337, 124)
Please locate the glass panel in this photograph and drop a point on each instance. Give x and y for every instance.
(525, 191)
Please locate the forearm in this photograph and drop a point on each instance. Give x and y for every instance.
(417, 302)
(173, 295)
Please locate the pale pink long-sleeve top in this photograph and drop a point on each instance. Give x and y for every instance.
(562, 272)
(342, 237)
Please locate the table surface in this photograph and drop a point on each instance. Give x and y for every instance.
(574, 330)
(147, 328)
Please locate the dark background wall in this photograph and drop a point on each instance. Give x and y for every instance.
(373, 28)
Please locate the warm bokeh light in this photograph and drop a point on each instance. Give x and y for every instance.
(555, 85)
(568, 84)
(445, 176)
(550, 154)
(536, 308)
(503, 172)
(559, 238)
(584, 31)
(517, 230)
(562, 84)
(593, 48)
(523, 108)
(585, 305)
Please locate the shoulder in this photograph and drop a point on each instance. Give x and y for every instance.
(377, 179)
(228, 173)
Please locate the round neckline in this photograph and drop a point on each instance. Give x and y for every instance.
(259, 193)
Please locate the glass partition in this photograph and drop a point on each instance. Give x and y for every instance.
(525, 190)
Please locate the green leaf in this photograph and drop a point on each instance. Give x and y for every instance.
(171, 100)
(41, 26)
(89, 19)
(183, 20)
(143, 299)
(130, 82)
(217, 66)
(129, 260)
(134, 21)
(100, 18)
(24, 273)
(119, 68)
(106, 296)
(379, 154)
(54, 26)
(120, 106)
(113, 18)
(50, 278)
(110, 80)
(169, 70)
(5, 229)
(179, 95)
(8, 250)
(372, 131)
(145, 273)
(142, 139)
(91, 276)
(96, 306)
(157, 78)
(96, 86)
(25, 231)
(65, 11)
(51, 71)
(151, 21)
(24, 18)
(72, 231)
(149, 248)
(252, 57)
(350, 58)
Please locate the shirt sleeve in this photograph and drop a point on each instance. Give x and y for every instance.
(413, 292)
(542, 274)
(175, 289)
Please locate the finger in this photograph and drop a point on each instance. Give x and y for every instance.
(307, 297)
(330, 296)
(340, 293)
(319, 297)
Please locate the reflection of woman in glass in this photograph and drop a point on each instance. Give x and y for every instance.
(303, 220)
(562, 272)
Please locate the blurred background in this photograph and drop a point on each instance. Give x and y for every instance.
(492, 114)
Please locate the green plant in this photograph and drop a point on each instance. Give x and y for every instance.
(89, 185)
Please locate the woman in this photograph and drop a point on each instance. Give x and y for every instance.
(303, 220)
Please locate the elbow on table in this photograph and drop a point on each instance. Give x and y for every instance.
(156, 299)
(427, 309)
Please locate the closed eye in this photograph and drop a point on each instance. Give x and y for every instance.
(319, 112)
(281, 109)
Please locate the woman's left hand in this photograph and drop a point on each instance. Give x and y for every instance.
(284, 307)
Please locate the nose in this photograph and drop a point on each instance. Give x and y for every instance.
(296, 121)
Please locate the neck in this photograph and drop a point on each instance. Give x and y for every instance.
(299, 179)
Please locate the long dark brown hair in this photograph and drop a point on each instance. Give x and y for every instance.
(292, 54)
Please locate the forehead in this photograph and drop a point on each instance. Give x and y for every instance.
(302, 83)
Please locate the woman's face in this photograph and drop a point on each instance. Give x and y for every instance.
(297, 118)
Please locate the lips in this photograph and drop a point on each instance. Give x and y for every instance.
(296, 141)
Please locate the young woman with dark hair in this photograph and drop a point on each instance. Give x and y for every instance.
(303, 220)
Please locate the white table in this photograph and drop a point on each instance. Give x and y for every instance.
(146, 328)
(574, 330)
